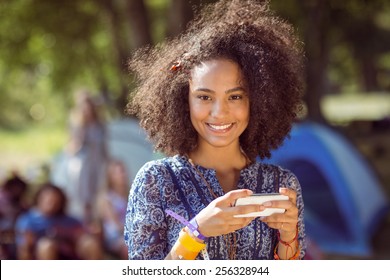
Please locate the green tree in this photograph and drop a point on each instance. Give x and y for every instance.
(50, 48)
(345, 44)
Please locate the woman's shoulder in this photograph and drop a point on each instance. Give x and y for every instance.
(158, 168)
(275, 170)
(162, 164)
(270, 167)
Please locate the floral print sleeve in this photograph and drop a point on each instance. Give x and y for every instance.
(145, 226)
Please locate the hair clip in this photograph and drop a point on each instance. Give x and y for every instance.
(175, 66)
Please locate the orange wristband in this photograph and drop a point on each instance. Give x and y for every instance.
(183, 253)
(186, 247)
(190, 243)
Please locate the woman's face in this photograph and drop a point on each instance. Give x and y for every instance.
(219, 103)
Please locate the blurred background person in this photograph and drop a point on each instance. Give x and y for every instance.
(112, 208)
(46, 231)
(12, 203)
(86, 157)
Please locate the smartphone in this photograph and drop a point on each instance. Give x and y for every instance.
(260, 198)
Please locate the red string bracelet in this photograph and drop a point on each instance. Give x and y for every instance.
(295, 257)
(288, 245)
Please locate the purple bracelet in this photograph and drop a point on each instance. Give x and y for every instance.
(192, 225)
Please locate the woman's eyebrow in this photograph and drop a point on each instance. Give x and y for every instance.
(235, 89)
(205, 90)
(228, 91)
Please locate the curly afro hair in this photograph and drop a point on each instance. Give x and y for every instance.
(247, 32)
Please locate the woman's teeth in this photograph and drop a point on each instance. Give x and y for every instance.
(220, 127)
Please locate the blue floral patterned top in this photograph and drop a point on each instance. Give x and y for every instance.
(173, 183)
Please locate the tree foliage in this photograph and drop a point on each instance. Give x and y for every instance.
(50, 48)
(346, 43)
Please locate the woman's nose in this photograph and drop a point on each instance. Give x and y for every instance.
(219, 108)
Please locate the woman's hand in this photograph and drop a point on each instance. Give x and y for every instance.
(218, 217)
(286, 223)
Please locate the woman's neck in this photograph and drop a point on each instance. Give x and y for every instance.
(227, 162)
(219, 157)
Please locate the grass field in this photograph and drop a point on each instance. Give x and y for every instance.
(28, 149)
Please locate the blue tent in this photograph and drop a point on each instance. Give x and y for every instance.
(344, 201)
(128, 142)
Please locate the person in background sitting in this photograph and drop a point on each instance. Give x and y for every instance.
(12, 203)
(46, 231)
(112, 208)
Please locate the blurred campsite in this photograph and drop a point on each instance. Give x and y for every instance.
(339, 148)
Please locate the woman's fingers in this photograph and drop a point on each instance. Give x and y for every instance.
(230, 198)
(289, 204)
(238, 223)
(281, 222)
(290, 193)
(220, 217)
(288, 220)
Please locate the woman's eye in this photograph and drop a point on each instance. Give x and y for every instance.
(235, 97)
(204, 97)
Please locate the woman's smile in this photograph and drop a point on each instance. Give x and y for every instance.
(220, 127)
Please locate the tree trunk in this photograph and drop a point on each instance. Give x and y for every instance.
(139, 23)
(317, 53)
(369, 73)
(179, 14)
(120, 48)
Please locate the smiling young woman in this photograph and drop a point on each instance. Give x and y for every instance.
(215, 99)
(219, 112)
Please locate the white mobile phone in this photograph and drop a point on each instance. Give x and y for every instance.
(260, 198)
